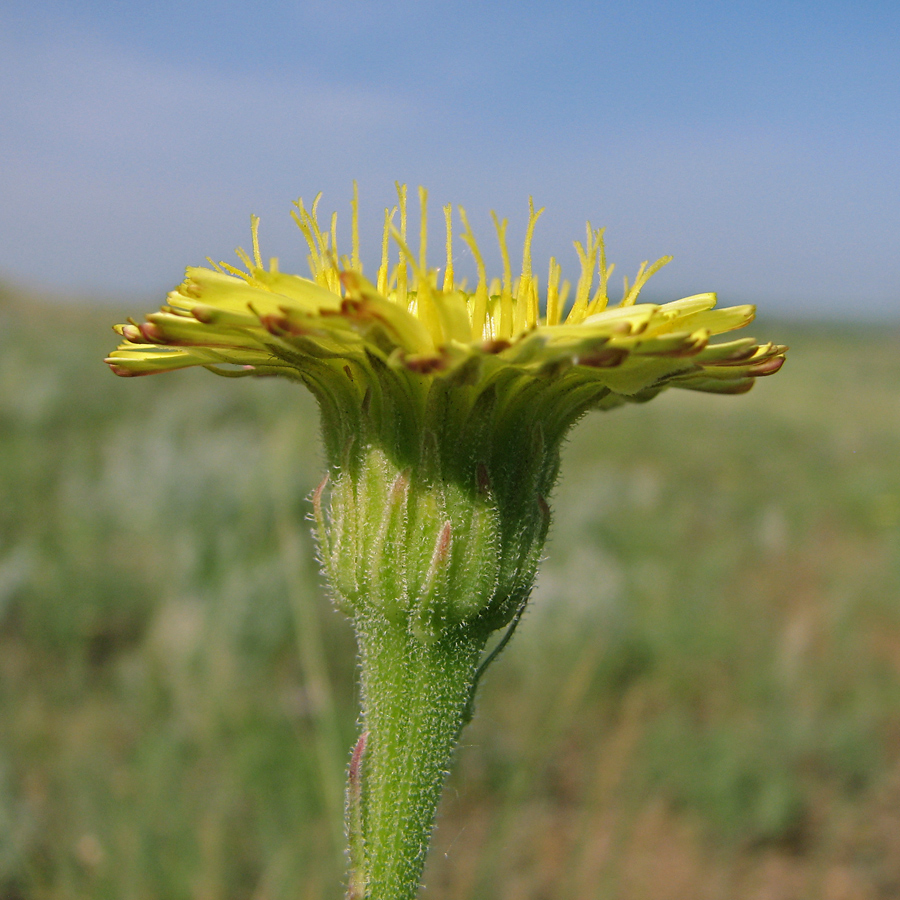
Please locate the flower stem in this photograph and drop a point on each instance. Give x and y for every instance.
(415, 694)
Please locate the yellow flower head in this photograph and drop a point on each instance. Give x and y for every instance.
(443, 409)
(337, 324)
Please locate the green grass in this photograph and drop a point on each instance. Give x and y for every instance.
(706, 689)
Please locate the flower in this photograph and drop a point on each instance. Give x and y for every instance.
(272, 323)
(443, 413)
(442, 388)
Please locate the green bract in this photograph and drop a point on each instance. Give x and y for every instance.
(443, 412)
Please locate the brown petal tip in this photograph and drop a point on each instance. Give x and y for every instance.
(767, 367)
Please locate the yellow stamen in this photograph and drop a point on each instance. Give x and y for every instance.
(506, 301)
(382, 281)
(234, 270)
(527, 292)
(529, 233)
(630, 296)
(313, 217)
(334, 249)
(321, 260)
(448, 271)
(423, 229)
(587, 257)
(553, 306)
(600, 300)
(306, 222)
(533, 306)
(481, 327)
(354, 228)
(401, 265)
(241, 254)
(425, 306)
(254, 228)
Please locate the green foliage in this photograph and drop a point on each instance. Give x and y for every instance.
(716, 628)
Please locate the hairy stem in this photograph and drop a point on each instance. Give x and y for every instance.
(415, 695)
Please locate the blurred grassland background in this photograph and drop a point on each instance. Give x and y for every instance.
(703, 702)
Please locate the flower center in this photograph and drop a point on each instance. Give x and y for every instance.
(499, 309)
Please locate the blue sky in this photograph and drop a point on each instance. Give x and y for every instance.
(756, 142)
